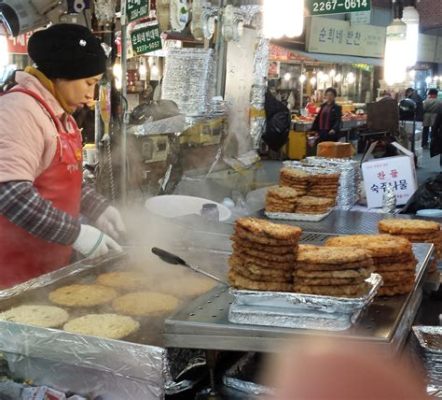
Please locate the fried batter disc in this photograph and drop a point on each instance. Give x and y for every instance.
(243, 283)
(267, 229)
(408, 226)
(333, 255)
(342, 290)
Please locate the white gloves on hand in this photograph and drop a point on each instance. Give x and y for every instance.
(111, 223)
(92, 243)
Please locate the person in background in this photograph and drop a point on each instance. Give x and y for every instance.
(436, 136)
(410, 93)
(41, 181)
(431, 106)
(328, 121)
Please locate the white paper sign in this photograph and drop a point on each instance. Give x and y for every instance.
(332, 36)
(397, 172)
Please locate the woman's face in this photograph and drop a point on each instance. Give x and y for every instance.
(329, 97)
(77, 93)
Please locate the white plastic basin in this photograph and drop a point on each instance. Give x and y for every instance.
(173, 206)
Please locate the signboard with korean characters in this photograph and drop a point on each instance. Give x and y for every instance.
(137, 9)
(146, 39)
(398, 172)
(325, 7)
(331, 36)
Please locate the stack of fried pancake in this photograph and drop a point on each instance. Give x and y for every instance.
(281, 199)
(332, 271)
(264, 255)
(392, 256)
(295, 178)
(324, 185)
(314, 205)
(417, 231)
(311, 183)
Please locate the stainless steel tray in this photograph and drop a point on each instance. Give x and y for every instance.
(297, 216)
(385, 324)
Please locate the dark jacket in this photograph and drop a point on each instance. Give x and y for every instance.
(419, 107)
(335, 118)
(436, 135)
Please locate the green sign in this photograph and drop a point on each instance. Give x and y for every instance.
(325, 7)
(145, 40)
(137, 9)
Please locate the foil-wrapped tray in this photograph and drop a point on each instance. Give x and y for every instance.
(242, 376)
(296, 310)
(137, 367)
(297, 216)
(429, 338)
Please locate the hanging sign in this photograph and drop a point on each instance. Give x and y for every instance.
(19, 44)
(146, 39)
(137, 9)
(331, 36)
(325, 7)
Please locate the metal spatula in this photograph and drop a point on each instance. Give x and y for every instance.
(173, 259)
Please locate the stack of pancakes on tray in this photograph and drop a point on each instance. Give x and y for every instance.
(332, 271)
(392, 256)
(264, 255)
(417, 231)
(324, 185)
(295, 178)
(314, 205)
(311, 183)
(281, 199)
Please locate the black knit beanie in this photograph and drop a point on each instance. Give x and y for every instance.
(67, 51)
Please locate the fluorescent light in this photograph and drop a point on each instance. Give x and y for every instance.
(428, 80)
(4, 53)
(395, 59)
(411, 18)
(302, 78)
(287, 76)
(351, 78)
(283, 18)
(118, 72)
(313, 81)
(338, 78)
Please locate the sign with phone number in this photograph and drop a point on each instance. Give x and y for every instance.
(325, 7)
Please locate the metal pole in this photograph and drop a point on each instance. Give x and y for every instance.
(220, 50)
(124, 103)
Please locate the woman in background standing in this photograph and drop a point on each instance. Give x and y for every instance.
(328, 121)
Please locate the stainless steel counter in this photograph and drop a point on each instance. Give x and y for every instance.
(203, 324)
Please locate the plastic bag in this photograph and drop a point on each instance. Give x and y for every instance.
(427, 196)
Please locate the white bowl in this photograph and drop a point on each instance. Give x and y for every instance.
(173, 206)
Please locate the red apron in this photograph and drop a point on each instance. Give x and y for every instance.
(22, 255)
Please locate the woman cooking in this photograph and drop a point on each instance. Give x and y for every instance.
(41, 191)
(328, 121)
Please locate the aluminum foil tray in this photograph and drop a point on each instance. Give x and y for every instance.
(295, 310)
(242, 376)
(429, 338)
(297, 217)
(138, 367)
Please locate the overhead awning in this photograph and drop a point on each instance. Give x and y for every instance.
(289, 51)
(340, 59)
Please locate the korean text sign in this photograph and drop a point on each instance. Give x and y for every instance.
(397, 172)
(340, 37)
(137, 9)
(146, 40)
(324, 7)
